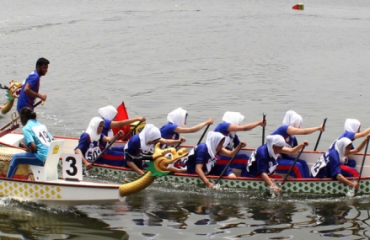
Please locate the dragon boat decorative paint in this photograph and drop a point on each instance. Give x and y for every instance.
(292, 185)
(47, 187)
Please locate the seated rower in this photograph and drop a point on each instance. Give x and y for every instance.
(144, 141)
(330, 163)
(88, 144)
(263, 161)
(202, 159)
(291, 127)
(37, 138)
(352, 131)
(229, 127)
(113, 156)
(176, 121)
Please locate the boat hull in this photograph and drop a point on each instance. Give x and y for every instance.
(292, 185)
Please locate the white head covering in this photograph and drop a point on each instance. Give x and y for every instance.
(340, 147)
(293, 119)
(234, 118)
(351, 125)
(148, 134)
(274, 140)
(177, 117)
(92, 129)
(108, 112)
(213, 139)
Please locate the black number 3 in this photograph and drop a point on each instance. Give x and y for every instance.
(72, 165)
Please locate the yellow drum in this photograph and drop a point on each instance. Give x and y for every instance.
(138, 128)
(6, 154)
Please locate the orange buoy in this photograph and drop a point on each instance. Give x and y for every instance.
(298, 6)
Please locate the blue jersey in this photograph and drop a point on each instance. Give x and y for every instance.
(90, 150)
(133, 146)
(350, 135)
(200, 156)
(168, 131)
(223, 129)
(36, 132)
(332, 168)
(24, 100)
(283, 131)
(261, 162)
(104, 132)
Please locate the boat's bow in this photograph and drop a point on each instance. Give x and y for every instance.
(163, 161)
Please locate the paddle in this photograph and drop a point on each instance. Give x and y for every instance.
(291, 167)
(352, 192)
(16, 118)
(216, 185)
(318, 140)
(200, 140)
(105, 149)
(263, 129)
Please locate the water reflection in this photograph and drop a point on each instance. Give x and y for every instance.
(30, 221)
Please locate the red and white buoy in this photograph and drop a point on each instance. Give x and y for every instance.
(298, 6)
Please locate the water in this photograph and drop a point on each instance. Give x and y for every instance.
(207, 57)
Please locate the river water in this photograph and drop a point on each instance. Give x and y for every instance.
(208, 57)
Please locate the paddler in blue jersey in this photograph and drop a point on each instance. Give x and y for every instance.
(291, 127)
(30, 89)
(329, 164)
(176, 121)
(264, 160)
(229, 127)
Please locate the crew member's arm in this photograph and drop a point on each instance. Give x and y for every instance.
(294, 150)
(84, 161)
(199, 171)
(246, 127)
(344, 180)
(358, 149)
(28, 90)
(195, 128)
(117, 124)
(227, 153)
(170, 142)
(304, 131)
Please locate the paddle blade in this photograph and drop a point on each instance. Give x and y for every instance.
(122, 115)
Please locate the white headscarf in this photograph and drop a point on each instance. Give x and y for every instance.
(293, 119)
(274, 140)
(177, 117)
(213, 139)
(351, 125)
(234, 118)
(92, 129)
(148, 134)
(108, 112)
(340, 147)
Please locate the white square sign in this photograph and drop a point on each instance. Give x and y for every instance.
(72, 166)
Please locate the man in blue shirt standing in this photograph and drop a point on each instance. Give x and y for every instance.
(30, 89)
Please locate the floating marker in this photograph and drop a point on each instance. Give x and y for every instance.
(298, 6)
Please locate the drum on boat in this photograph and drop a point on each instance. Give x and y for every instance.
(6, 153)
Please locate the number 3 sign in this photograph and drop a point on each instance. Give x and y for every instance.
(72, 166)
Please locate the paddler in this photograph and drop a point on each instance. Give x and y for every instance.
(291, 127)
(352, 130)
(144, 142)
(329, 164)
(88, 144)
(115, 155)
(229, 127)
(264, 160)
(176, 121)
(30, 88)
(202, 158)
(37, 138)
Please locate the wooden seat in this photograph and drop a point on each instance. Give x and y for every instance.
(49, 171)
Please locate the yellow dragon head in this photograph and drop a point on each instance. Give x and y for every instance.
(164, 161)
(14, 89)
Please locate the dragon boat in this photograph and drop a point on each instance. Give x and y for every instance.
(42, 184)
(292, 185)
